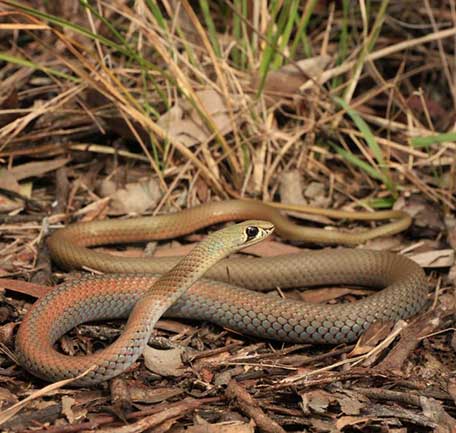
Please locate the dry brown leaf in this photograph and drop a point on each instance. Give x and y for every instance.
(8, 205)
(164, 362)
(280, 85)
(291, 192)
(315, 191)
(434, 259)
(7, 397)
(175, 327)
(423, 214)
(350, 405)
(31, 289)
(312, 66)
(383, 243)
(291, 188)
(26, 189)
(67, 408)
(7, 333)
(135, 198)
(316, 401)
(215, 106)
(184, 124)
(287, 81)
(181, 127)
(345, 421)
(8, 181)
(223, 378)
(206, 374)
(34, 169)
(433, 410)
(152, 395)
(371, 338)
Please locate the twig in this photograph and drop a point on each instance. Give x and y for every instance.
(251, 408)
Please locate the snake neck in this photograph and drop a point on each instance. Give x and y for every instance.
(187, 271)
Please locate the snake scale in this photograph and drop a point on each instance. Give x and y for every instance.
(222, 296)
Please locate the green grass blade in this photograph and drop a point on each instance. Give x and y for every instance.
(421, 142)
(268, 54)
(27, 63)
(364, 129)
(155, 10)
(108, 24)
(357, 162)
(380, 202)
(237, 33)
(211, 30)
(371, 141)
(289, 14)
(301, 30)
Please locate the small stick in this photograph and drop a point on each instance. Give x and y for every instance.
(251, 408)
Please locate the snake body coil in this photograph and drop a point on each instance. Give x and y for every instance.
(130, 294)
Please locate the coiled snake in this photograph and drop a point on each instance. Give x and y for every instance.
(136, 293)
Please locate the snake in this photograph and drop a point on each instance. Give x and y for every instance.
(205, 285)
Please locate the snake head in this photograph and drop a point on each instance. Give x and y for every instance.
(255, 231)
(244, 234)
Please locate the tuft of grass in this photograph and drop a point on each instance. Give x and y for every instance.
(281, 24)
(65, 24)
(146, 63)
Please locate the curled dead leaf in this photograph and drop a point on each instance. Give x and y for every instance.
(136, 197)
(435, 259)
(164, 362)
(184, 123)
(376, 333)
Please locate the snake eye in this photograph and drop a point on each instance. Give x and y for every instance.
(251, 232)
